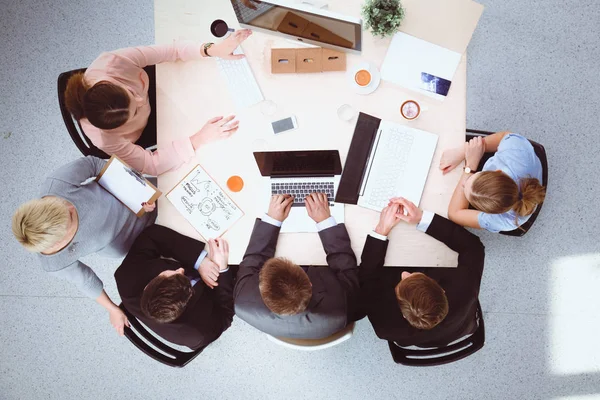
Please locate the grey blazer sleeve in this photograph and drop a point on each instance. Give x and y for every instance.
(79, 170)
(341, 258)
(263, 242)
(83, 277)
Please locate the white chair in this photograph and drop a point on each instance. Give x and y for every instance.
(315, 344)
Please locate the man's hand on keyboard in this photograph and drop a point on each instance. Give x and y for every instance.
(280, 206)
(317, 206)
(226, 47)
(215, 129)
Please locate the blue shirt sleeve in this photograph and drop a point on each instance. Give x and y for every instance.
(515, 157)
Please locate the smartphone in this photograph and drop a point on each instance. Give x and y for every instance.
(435, 84)
(284, 125)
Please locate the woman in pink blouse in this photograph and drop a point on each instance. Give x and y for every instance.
(110, 101)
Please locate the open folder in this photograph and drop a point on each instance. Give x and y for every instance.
(127, 185)
(426, 52)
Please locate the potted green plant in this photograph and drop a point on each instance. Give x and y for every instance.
(383, 17)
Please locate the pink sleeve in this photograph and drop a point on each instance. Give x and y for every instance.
(143, 56)
(156, 162)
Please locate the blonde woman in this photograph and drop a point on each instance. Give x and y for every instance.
(507, 190)
(74, 218)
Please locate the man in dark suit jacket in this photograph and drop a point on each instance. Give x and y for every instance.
(283, 299)
(169, 283)
(425, 307)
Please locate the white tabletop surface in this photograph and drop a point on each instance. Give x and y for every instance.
(190, 93)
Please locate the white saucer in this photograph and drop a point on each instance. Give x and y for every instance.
(375, 78)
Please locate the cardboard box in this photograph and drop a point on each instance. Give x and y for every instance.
(286, 61)
(283, 61)
(309, 60)
(333, 60)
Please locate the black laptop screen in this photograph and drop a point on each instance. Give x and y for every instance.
(299, 163)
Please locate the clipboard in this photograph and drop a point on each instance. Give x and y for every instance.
(127, 185)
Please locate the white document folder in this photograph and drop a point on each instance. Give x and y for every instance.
(408, 57)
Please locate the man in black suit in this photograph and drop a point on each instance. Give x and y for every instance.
(425, 307)
(283, 299)
(170, 284)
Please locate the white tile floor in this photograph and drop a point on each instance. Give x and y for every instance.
(533, 69)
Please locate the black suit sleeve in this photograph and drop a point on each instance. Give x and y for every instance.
(471, 252)
(223, 299)
(159, 241)
(341, 259)
(139, 266)
(340, 256)
(263, 242)
(369, 272)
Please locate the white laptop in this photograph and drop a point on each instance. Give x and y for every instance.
(389, 160)
(301, 173)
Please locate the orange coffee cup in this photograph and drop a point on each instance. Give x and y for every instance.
(362, 77)
(235, 183)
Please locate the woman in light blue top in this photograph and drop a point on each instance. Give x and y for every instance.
(507, 190)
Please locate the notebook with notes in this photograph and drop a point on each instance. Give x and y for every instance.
(204, 204)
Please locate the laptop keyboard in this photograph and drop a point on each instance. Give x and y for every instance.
(302, 189)
(388, 166)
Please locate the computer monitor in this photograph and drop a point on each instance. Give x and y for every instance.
(300, 22)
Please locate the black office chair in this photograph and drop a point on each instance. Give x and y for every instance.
(441, 355)
(83, 143)
(540, 151)
(167, 355)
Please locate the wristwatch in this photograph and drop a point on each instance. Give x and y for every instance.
(205, 48)
(468, 170)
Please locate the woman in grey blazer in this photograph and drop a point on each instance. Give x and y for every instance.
(75, 217)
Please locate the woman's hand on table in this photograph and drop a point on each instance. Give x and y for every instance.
(215, 129)
(451, 158)
(225, 48)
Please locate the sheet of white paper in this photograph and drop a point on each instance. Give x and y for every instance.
(204, 204)
(408, 57)
(126, 185)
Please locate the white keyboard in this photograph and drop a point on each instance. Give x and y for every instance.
(388, 167)
(240, 80)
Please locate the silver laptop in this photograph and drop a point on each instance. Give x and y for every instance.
(301, 173)
(398, 165)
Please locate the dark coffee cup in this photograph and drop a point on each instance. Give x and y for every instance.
(219, 28)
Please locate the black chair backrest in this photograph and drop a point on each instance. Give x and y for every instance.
(441, 355)
(83, 143)
(540, 151)
(167, 355)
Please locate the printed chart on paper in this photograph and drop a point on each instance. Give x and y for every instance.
(204, 204)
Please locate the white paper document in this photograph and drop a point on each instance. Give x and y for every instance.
(204, 204)
(409, 57)
(127, 185)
